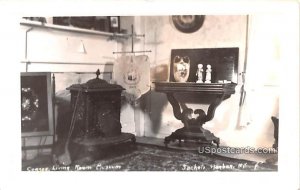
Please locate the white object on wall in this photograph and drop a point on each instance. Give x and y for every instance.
(81, 48)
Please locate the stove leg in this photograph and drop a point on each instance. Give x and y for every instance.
(217, 142)
(133, 139)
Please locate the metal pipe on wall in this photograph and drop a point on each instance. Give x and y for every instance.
(26, 49)
(243, 73)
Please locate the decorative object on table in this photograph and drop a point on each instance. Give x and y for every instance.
(133, 73)
(223, 61)
(224, 81)
(188, 23)
(36, 104)
(97, 121)
(114, 24)
(199, 73)
(208, 74)
(181, 68)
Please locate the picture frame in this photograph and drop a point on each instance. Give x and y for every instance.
(114, 24)
(36, 104)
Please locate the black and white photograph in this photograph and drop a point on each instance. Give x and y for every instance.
(143, 104)
(192, 93)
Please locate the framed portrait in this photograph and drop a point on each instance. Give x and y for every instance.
(114, 24)
(36, 104)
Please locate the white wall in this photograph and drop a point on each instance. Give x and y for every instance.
(262, 80)
(47, 45)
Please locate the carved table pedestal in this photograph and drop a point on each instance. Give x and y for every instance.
(193, 129)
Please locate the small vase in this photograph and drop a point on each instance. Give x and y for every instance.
(181, 68)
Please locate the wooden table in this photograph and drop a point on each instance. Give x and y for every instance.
(193, 129)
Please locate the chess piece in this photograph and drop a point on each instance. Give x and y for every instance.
(199, 73)
(208, 74)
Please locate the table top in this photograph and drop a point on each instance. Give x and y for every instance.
(208, 88)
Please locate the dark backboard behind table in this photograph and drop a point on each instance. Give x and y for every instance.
(223, 61)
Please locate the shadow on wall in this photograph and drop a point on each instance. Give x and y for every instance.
(157, 103)
(108, 71)
(228, 117)
(271, 122)
(160, 72)
(63, 99)
(193, 101)
(274, 114)
(151, 104)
